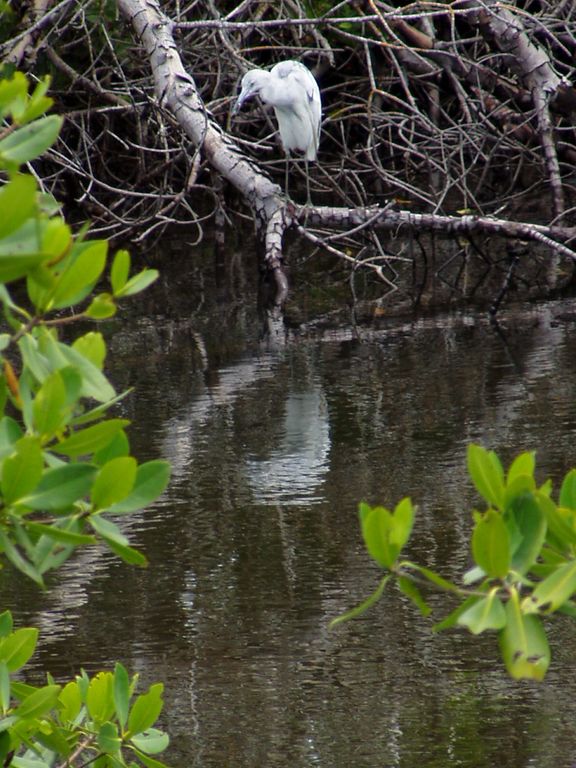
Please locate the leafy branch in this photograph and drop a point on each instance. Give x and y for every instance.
(65, 467)
(85, 720)
(523, 546)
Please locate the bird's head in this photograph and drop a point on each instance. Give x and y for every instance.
(252, 82)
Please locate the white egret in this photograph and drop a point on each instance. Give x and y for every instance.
(292, 90)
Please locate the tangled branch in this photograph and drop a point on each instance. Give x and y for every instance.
(460, 109)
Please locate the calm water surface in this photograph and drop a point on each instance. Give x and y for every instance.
(255, 547)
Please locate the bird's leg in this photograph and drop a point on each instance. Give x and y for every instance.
(286, 173)
(308, 196)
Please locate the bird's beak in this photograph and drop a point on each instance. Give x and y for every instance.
(239, 102)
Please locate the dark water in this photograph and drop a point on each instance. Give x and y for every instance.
(255, 547)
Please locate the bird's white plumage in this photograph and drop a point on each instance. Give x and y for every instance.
(291, 89)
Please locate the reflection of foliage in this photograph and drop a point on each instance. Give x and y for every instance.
(524, 549)
(65, 468)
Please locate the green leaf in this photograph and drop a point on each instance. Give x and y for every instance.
(107, 529)
(21, 471)
(38, 103)
(145, 711)
(56, 740)
(118, 446)
(568, 491)
(555, 590)
(4, 687)
(151, 480)
(114, 482)
(6, 624)
(108, 739)
(363, 607)
(432, 576)
(522, 466)
(14, 98)
(18, 647)
(60, 488)
(519, 486)
(121, 694)
(385, 533)
(376, 529)
(120, 270)
(561, 521)
(93, 347)
(50, 554)
(94, 383)
(100, 697)
(17, 203)
(13, 92)
(6, 723)
(34, 360)
(80, 276)
(18, 263)
(39, 282)
(10, 433)
(523, 643)
(138, 283)
(21, 690)
(6, 748)
(62, 535)
(25, 243)
(91, 439)
(403, 521)
(38, 703)
(49, 409)
(151, 742)
(73, 386)
(101, 307)
(83, 682)
(27, 143)
(98, 411)
(69, 703)
(487, 613)
(409, 588)
(116, 540)
(487, 474)
(451, 620)
(491, 545)
(56, 242)
(149, 762)
(18, 561)
(526, 523)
